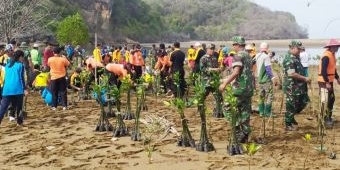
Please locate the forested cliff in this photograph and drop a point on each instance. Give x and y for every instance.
(182, 20)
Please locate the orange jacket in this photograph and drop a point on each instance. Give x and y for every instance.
(117, 69)
(137, 59)
(162, 62)
(331, 68)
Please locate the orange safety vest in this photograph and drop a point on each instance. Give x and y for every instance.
(137, 59)
(330, 68)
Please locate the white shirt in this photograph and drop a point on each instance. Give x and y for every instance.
(262, 59)
(304, 57)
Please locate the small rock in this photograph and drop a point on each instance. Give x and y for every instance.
(50, 147)
(114, 139)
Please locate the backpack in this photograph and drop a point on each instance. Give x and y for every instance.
(27, 56)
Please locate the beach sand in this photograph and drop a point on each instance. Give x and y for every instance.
(66, 140)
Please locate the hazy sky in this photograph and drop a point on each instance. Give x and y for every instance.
(320, 17)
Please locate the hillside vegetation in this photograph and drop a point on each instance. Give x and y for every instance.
(181, 20)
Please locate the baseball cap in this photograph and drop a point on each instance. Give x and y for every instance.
(211, 46)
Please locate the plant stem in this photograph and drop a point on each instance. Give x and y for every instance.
(128, 101)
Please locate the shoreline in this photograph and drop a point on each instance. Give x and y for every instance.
(308, 43)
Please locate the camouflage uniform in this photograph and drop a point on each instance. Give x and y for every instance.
(243, 89)
(296, 90)
(207, 62)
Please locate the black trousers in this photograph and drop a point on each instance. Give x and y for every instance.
(16, 101)
(182, 84)
(138, 73)
(58, 87)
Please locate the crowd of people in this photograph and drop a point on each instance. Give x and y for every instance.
(242, 66)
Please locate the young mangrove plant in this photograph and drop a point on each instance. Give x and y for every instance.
(204, 144)
(99, 90)
(307, 138)
(230, 113)
(250, 149)
(120, 129)
(215, 83)
(190, 81)
(185, 139)
(136, 135)
(156, 129)
(84, 76)
(126, 86)
(147, 80)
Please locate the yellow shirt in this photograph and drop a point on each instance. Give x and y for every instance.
(116, 56)
(220, 56)
(127, 56)
(191, 54)
(97, 55)
(4, 59)
(75, 80)
(196, 53)
(41, 80)
(2, 75)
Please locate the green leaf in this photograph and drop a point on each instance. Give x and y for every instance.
(166, 103)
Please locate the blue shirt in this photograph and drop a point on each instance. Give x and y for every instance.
(14, 83)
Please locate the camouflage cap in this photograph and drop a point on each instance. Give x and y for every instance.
(238, 40)
(211, 46)
(295, 43)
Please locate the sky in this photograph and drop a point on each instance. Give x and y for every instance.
(320, 17)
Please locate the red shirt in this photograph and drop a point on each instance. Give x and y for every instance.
(47, 54)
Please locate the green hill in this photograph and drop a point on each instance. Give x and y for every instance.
(181, 20)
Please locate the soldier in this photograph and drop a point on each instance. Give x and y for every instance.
(294, 85)
(242, 88)
(265, 79)
(209, 69)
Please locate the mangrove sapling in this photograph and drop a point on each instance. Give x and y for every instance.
(321, 118)
(136, 135)
(215, 83)
(230, 113)
(185, 139)
(83, 94)
(278, 70)
(120, 129)
(147, 80)
(126, 86)
(190, 81)
(250, 149)
(204, 144)
(98, 89)
(307, 138)
(156, 129)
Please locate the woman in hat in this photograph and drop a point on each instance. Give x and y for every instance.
(327, 75)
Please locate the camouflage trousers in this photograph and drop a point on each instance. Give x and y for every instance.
(294, 104)
(242, 119)
(266, 97)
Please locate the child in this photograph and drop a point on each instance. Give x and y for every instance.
(75, 81)
(41, 80)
